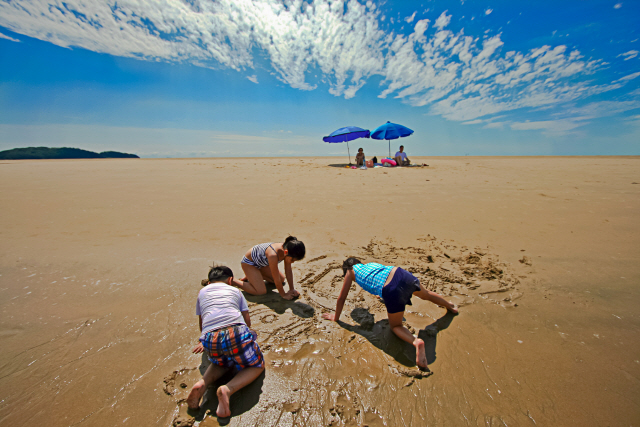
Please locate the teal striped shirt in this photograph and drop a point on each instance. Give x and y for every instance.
(372, 276)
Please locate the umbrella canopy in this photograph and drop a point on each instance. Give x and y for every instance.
(390, 131)
(346, 134)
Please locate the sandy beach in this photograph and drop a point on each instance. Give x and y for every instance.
(101, 263)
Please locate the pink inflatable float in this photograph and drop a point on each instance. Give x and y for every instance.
(391, 162)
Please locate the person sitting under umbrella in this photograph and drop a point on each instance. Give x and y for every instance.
(401, 157)
(360, 157)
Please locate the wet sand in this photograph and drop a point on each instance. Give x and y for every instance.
(101, 263)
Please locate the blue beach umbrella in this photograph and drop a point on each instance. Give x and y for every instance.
(347, 134)
(390, 131)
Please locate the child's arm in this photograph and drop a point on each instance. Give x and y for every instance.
(247, 318)
(289, 274)
(346, 287)
(199, 349)
(275, 273)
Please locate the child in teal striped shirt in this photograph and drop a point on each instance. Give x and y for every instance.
(396, 287)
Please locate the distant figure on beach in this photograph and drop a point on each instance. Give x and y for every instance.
(396, 287)
(224, 320)
(401, 157)
(260, 263)
(360, 157)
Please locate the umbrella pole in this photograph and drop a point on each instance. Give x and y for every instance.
(349, 152)
(388, 140)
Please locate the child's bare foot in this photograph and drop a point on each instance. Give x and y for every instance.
(193, 400)
(421, 356)
(223, 410)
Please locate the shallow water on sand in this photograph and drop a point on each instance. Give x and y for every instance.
(101, 262)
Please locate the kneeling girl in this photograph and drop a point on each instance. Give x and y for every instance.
(260, 263)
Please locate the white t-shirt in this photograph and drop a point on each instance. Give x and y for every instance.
(403, 155)
(220, 305)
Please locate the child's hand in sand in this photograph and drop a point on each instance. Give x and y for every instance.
(198, 349)
(288, 296)
(294, 293)
(329, 316)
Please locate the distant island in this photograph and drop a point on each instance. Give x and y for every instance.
(60, 153)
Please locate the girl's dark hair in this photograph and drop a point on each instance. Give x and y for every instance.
(295, 248)
(219, 273)
(348, 264)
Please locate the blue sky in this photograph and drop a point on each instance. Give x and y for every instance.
(189, 78)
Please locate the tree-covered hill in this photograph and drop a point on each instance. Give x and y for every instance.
(60, 153)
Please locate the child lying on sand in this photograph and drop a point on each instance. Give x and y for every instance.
(224, 322)
(260, 263)
(395, 286)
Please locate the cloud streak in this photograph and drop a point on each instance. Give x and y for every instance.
(3, 36)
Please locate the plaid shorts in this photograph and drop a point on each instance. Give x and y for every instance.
(232, 346)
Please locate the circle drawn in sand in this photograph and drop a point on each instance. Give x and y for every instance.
(269, 318)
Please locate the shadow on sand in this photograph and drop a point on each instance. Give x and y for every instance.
(380, 335)
(278, 304)
(241, 401)
(341, 165)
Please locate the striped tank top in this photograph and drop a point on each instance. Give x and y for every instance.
(258, 255)
(371, 276)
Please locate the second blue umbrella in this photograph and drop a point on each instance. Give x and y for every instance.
(390, 131)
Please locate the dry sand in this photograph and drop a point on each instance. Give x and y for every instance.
(101, 263)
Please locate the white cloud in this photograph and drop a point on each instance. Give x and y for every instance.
(617, 6)
(550, 126)
(629, 55)
(458, 76)
(344, 44)
(627, 78)
(494, 125)
(3, 36)
(473, 122)
(443, 20)
(464, 78)
(410, 19)
(599, 109)
(488, 11)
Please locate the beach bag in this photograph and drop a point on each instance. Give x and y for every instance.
(369, 163)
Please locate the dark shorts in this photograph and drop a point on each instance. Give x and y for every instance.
(233, 346)
(397, 294)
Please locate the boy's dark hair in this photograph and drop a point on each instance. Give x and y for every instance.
(295, 248)
(349, 263)
(219, 273)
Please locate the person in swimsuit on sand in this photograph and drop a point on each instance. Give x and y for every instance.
(396, 286)
(360, 157)
(224, 320)
(260, 263)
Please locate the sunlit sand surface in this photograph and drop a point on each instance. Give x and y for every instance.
(101, 263)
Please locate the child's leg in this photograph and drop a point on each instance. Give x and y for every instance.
(212, 373)
(436, 299)
(245, 376)
(266, 275)
(395, 322)
(255, 284)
